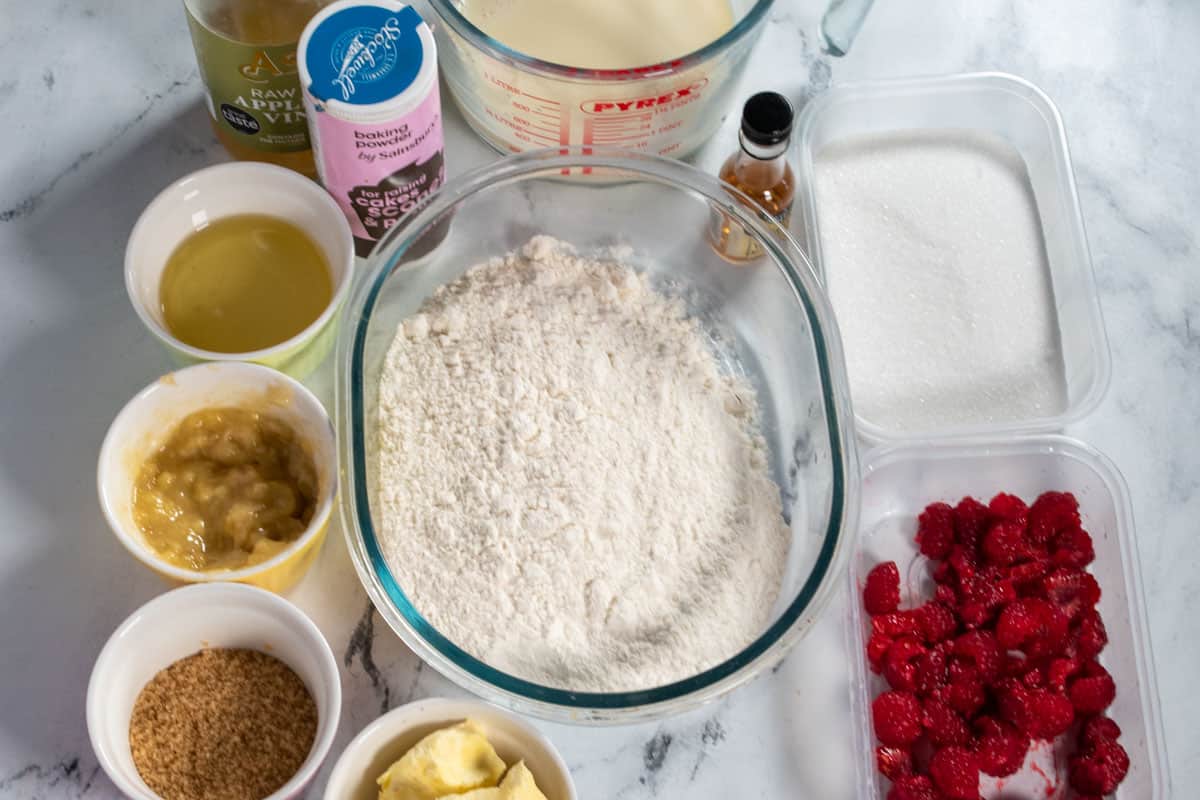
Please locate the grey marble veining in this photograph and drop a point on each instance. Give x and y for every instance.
(101, 107)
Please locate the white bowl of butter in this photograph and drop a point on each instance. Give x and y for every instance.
(495, 751)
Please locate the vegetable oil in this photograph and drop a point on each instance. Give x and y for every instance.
(244, 283)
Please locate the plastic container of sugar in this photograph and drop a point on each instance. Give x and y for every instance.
(941, 215)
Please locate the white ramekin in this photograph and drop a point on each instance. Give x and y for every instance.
(181, 622)
(392, 735)
(224, 190)
(152, 415)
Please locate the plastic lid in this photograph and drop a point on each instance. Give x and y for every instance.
(364, 60)
(767, 119)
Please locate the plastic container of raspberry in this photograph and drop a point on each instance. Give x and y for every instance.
(900, 480)
(1020, 114)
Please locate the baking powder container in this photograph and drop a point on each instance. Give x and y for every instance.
(369, 73)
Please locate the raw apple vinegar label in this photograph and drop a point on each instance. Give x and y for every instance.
(253, 91)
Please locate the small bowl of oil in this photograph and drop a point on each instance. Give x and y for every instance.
(242, 262)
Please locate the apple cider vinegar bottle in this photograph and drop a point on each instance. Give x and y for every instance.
(246, 50)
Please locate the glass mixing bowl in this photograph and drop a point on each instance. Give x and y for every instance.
(767, 321)
(516, 102)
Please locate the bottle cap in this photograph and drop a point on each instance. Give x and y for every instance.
(767, 119)
(367, 60)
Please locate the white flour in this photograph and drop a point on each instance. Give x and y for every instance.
(936, 267)
(568, 487)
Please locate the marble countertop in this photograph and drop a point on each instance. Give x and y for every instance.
(101, 107)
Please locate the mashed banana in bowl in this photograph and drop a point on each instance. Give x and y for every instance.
(230, 487)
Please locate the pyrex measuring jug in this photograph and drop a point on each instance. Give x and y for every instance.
(516, 102)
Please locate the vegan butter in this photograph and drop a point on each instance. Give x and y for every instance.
(456, 763)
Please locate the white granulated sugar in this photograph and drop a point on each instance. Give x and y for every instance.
(569, 488)
(936, 267)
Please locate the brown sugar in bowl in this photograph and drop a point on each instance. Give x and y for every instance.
(183, 622)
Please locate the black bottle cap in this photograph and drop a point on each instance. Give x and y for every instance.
(767, 119)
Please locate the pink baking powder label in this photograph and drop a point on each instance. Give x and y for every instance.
(378, 173)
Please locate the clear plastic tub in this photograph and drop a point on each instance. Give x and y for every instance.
(1022, 115)
(900, 480)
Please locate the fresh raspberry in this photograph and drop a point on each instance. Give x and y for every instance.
(1101, 770)
(1030, 572)
(1009, 507)
(1015, 664)
(931, 670)
(899, 666)
(981, 649)
(966, 694)
(1032, 625)
(897, 624)
(881, 595)
(893, 762)
(1012, 701)
(1059, 671)
(897, 718)
(944, 575)
(971, 519)
(938, 622)
(955, 772)
(982, 595)
(943, 724)
(945, 594)
(974, 614)
(1090, 634)
(1018, 623)
(1040, 713)
(1034, 677)
(1004, 543)
(877, 648)
(993, 585)
(1001, 748)
(1051, 513)
(1051, 636)
(963, 561)
(913, 787)
(1073, 548)
(935, 531)
(1092, 694)
(961, 668)
(1071, 590)
(1054, 714)
(1098, 729)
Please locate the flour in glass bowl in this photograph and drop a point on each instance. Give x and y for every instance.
(933, 253)
(568, 487)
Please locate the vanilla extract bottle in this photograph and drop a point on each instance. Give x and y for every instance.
(760, 170)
